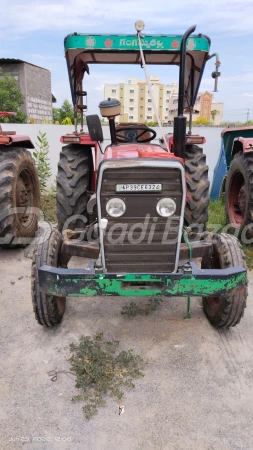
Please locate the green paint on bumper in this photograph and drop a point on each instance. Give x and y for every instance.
(193, 282)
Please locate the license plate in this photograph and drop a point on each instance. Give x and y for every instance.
(138, 187)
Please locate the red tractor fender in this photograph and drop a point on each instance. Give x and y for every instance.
(191, 139)
(242, 144)
(10, 137)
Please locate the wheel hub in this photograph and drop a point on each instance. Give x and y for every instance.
(242, 196)
(22, 193)
(237, 199)
(24, 196)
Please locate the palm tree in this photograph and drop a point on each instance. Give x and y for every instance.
(213, 114)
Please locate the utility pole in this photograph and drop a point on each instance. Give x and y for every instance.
(248, 110)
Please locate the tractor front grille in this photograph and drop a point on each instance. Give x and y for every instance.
(141, 241)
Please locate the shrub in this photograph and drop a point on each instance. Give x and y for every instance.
(42, 161)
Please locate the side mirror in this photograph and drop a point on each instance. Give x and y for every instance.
(95, 128)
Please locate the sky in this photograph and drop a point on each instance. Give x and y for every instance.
(33, 30)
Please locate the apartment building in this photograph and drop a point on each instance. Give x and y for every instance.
(136, 104)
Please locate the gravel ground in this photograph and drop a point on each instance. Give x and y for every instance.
(196, 393)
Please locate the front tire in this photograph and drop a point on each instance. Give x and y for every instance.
(196, 172)
(74, 178)
(239, 194)
(48, 309)
(19, 192)
(225, 311)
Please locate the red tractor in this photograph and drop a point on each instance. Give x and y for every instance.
(19, 189)
(135, 214)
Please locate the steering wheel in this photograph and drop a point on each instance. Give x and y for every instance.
(131, 136)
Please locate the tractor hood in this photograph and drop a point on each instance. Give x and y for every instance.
(134, 150)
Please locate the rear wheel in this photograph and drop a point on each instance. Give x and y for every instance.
(225, 311)
(48, 309)
(19, 193)
(196, 171)
(239, 194)
(74, 178)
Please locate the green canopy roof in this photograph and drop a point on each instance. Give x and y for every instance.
(81, 50)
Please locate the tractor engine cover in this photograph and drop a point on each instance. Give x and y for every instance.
(130, 192)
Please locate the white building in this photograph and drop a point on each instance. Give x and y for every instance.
(136, 104)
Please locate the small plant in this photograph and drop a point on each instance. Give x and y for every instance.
(42, 161)
(67, 121)
(48, 205)
(133, 310)
(101, 372)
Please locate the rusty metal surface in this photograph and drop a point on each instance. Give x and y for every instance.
(193, 139)
(21, 139)
(199, 249)
(242, 144)
(7, 133)
(247, 143)
(228, 130)
(84, 138)
(189, 282)
(73, 247)
(83, 249)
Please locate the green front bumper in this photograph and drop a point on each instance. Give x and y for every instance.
(191, 281)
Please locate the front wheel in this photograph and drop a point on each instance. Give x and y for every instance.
(225, 311)
(48, 309)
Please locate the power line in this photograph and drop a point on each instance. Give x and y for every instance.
(248, 110)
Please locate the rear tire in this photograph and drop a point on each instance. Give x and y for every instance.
(74, 178)
(196, 171)
(48, 309)
(239, 194)
(225, 311)
(19, 188)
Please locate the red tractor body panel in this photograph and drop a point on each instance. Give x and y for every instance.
(10, 137)
(20, 139)
(191, 139)
(138, 151)
(78, 138)
(243, 144)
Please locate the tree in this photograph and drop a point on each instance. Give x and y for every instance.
(56, 115)
(65, 114)
(213, 114)
(11, 99)
(66, 111)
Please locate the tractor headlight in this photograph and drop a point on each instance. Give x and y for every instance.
(115, 207)
(166, 207)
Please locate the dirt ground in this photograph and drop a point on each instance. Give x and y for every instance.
(196, 394)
